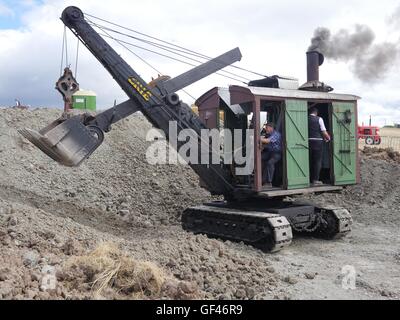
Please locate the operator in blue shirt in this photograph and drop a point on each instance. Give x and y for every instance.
(271, 153)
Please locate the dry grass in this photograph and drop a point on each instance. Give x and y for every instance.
(107, 267)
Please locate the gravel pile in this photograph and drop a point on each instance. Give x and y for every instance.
(387, 154)
(51, 215)
(116, 179)
(376, 198)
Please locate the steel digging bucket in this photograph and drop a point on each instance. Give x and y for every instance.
(68, 142)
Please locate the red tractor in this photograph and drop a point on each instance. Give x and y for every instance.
(370, 134)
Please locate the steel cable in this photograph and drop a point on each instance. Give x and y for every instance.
(169, 43)
(171, 50)
(161, 105)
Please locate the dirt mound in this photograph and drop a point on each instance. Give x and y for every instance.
(58, 216)
(376, 198)
(53, 219)
(40, 244)
(387, 154)
(116, 179)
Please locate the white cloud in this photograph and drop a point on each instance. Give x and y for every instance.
(5, 11)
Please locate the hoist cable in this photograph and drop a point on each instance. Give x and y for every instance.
(163, 55)
(151, 42)
(169, 43)
(159, 72)
(161, 106)
(124, 43)
(188, 94)
(66, 49)
(62, 52)
(143, 34)
(77, 56)
(135, 54)
(183, 121)
(165, 48)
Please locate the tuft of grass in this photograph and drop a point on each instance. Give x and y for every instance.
(107, 267)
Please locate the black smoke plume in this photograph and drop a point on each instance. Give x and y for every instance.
(370, 62)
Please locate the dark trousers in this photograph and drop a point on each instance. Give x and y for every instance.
(269, 160)
(316, 151)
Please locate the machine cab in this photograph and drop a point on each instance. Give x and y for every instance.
(248, 108)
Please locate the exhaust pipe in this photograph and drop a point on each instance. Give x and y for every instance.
(314, 60)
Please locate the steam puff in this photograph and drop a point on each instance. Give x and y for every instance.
(370, 62)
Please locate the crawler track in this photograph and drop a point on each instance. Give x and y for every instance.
(269, 232)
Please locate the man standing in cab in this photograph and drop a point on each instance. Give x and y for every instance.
(317, 134)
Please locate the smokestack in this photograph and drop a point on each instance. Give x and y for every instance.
(314, 60)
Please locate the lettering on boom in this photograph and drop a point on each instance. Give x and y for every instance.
(141, 89)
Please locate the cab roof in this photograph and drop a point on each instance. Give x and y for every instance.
(244, 94)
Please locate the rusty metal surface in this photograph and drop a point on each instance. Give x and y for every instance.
(67, 86)
(316, 85)
(257, 147)
(241, 95)
(69, 142)
(314, 60)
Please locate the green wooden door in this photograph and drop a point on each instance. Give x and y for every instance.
(296, 132)
(344, 143)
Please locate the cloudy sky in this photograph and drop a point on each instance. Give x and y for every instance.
(272, 36)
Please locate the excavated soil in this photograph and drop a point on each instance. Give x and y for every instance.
(110, 229)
